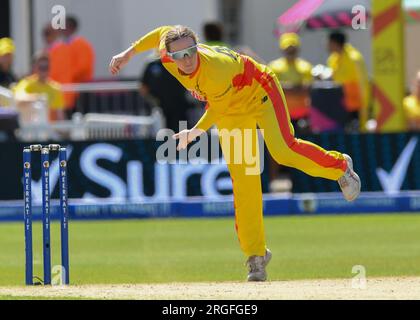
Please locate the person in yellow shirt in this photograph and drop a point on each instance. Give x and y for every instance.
(241, 94)
(29, 89)
(411, 105)
(295, 77)
(349, 70)
(7, 51)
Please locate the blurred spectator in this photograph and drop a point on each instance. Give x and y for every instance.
(61, 69)
(83, 55)
(72, 58)
(213, 34)
(50, 36)
(295, 76)
(160, 86)
(349, 70)
(411, 107)
(30, 89)
(7, 50)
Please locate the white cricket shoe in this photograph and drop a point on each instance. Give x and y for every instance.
(256, 266)
(349, 182)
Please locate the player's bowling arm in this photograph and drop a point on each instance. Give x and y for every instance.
(147, 42)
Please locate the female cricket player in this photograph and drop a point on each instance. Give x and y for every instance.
(241, 94)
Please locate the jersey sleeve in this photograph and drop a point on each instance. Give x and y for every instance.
(207, 120)
(215, 109)
(150, 40)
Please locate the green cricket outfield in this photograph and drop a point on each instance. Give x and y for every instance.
(153, 251)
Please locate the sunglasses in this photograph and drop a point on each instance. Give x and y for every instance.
(178, 55)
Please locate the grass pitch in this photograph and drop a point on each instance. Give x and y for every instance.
(206, 250)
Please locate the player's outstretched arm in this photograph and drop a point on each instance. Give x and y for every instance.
(147, 42)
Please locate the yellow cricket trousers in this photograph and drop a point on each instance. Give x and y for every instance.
(237, 138)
